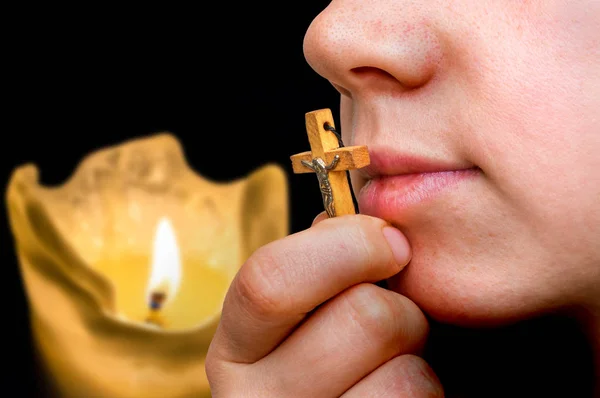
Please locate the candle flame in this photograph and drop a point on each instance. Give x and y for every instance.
(165, 276)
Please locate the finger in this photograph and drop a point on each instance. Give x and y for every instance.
(345, 340)
(320, 217)
(404, 376)
(284, 280)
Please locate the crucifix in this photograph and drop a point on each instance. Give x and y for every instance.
(330, 161)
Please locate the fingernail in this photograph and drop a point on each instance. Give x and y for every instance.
(320, 217)
(399, 245)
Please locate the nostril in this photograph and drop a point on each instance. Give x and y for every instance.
(377, 75)
(370, 70)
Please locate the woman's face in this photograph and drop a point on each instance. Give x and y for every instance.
(483, 122)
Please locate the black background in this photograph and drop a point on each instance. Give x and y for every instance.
(227, 78)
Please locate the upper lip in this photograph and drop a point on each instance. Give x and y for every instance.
(387, 162)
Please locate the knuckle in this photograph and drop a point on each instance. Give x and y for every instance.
(259, 285)
(212, 369)
(219, 379)
(414, 368)
(215, 370)
(373, 313)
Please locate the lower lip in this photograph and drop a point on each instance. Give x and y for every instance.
(386, 196)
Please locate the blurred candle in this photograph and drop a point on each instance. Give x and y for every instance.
(126, 265)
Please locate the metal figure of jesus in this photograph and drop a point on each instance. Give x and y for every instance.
(322, 171)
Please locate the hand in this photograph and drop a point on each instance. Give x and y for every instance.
(302, 318)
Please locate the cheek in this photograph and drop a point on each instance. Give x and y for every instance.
(538, 133)
(538, 85)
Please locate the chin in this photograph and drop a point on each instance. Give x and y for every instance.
(476, 261)
(470, 294)
(471, 267)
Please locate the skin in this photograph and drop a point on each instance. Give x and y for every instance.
(510, 89)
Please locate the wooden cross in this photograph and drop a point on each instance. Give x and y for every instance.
(330, 162)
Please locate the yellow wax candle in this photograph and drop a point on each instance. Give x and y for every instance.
(127, 263)
(188, 299)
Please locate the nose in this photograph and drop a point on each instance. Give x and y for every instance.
(362, 46)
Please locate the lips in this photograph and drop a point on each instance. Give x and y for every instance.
(397, 182)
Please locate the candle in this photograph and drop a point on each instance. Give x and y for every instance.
(127, 263)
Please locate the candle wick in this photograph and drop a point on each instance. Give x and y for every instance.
(157, 300)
